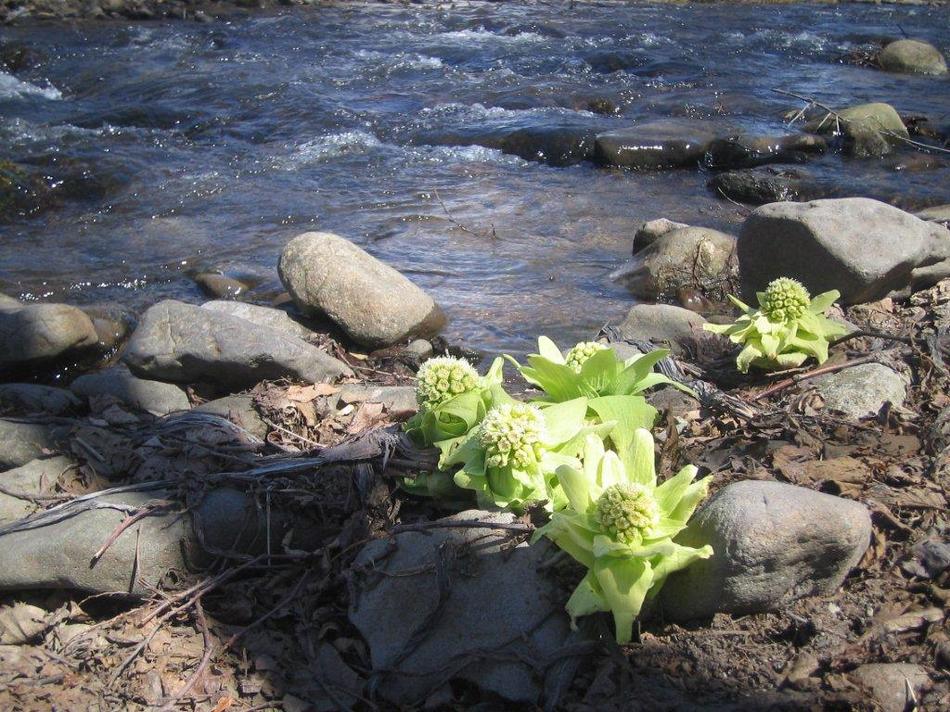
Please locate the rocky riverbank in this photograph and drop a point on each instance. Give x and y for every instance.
(216, 516)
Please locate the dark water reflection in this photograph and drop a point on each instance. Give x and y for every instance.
(217, 143)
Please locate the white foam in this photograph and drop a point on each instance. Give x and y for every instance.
(11, 87)
(331, 146)
(481, 35)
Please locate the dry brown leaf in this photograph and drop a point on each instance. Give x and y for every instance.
(368, 415)
(305, 394)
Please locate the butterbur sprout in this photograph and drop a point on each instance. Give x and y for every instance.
(628, 511)
(785, 299)
(579, 354)
(442, 378)
(786, 329)
(512, 435)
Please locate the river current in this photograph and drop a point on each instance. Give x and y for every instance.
(211, 145)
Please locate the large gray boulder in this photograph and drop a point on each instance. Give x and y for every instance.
(457, 604)
(186, 344)
(912, 57)
(861, 247)
(56, 550)
(861, 391)
(32, 334)
(668, 143)
(262, 316)
(773, 543)
(690, 257)
(154, 397)
(374, 304)
(662, 324)
(23, 398)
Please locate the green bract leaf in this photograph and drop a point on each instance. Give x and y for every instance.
(620, 525)
(786, 329)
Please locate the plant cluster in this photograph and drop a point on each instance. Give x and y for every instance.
(787, 328)
(582, 447)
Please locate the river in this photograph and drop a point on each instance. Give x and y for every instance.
(208, 146)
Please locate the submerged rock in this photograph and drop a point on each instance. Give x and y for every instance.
(662, 324)
(657, 144)
(221, 286)
(557, 144)
(36, 334)
(691, 257)
(938, 214)
(373, 303)
(912, 57)
(187, 344)
(652, 230)
(749, 151)
(861, 391)
(861, 247)
(773, 543)
(763, 185)
(154, 397)
(492, 618)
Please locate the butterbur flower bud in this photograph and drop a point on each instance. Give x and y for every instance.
(580, 353)
(512, 435)
(443, 378)
(626, 511)
(785, 299)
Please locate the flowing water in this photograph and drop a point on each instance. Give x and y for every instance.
(211, 145)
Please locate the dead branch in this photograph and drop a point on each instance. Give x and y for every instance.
(788, 382)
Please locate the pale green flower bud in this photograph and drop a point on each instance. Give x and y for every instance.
(443, 378)
(626, 511)
(512, 435)
(785, 299)
(581, 352)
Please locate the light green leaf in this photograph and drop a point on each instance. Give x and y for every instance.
(676, 561)
(624, 584)
(599, 373)
(641, 461)
(557, 380)
(823, 301)
(549, 350)
(628, 413)
(563, 420)
(669, 494)
(585, 600)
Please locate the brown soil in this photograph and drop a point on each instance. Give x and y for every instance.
(248, 637)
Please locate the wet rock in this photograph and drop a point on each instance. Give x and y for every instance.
(773, 543)
(662, 324)
(870, 130)
(373, 303)
(23, 442)
(494, 649)
(36, 334)
(861, 247)
(751, 151)
(419, 349)
(187, 344)
(26, 398)
(938, 214)
(113, 325)
(240, 410)
(668, 399)
(763, 185)
(652, 230)
(20, 484)
(912, 57)
(220, 286)
(608, 61)
(396, 399)
(277, 319)
(657, 144)
(154, 397)
(22, 192)
(695, 257)
(861, 391)
(888, 684)
(557, 144)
